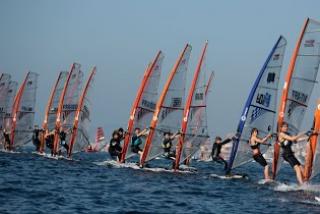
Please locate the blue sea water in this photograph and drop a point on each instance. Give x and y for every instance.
(34, 184)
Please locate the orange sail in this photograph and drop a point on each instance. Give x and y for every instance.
(80, 113)
(73, 75)
(51, 109)
(23, 111)
(168, 108)
(143, 106)
(312, 146)
(299, 83)
(188, 106)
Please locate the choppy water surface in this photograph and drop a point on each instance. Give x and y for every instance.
(34, 184)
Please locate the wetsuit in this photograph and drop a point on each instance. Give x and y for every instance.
(115, 149)
(135, 144)
(63, 136)
(166, 145)
(49, 142)
(7, 140)
(216, 150)
(35, 139)
(258, 157)
(288, 154)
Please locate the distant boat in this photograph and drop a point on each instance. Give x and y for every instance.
(100, 143)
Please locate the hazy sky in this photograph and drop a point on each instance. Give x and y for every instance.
(121, 37)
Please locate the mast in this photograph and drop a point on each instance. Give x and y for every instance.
(59, 110)
(79, 109)
(154, 120)
(16, 108)
(284, 98)
(187, 107)
(135, 105)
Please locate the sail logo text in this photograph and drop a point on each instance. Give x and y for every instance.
(271, 77)
(264, 99)
(199, 96)
(299, 96)
(176, 102)
(148, 104)
(309, 43)
(257, 112)
(276, 57)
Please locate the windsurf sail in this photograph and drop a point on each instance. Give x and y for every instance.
(23, 111)
(52, 106)
(68, 103)
(11, 93)
(299, 83)
(80, 133)
(194, 122)
(312, 160)
(144, 105)
(260, 108)
(4, 85)
(169, 108)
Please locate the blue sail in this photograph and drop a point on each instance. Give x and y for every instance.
(260, 109)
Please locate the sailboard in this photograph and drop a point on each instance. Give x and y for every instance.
(194, 129)
(23, 112)
(260, 108)
(80, 134)
(68, 103)
(169, 108)
(299, 83)
(144, 104)
(52, 106)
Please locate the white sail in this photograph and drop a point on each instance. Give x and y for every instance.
(26, 111)
(171, 111)
(4, 87)
(147, 103)
(261, 106)
(52, 115)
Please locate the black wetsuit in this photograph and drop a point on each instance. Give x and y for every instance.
(258, 157)
(288, 154)
(115, 148)
(135, 144)
(7, 140)
(216, 150)
(166, 145)
(35, 139)
(49, 142)
(63, 136)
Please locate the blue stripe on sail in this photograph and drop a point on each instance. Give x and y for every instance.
(246, 108)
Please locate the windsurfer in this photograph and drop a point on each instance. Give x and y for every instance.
(254, 143)
(49, 138)
(216, 150)
(136, 140)
(63, 135)
(36, 137)
(286, 140)
(7, 141)
(114, 146)
(167, 143)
